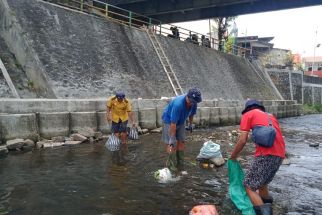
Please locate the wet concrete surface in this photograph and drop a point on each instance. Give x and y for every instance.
(84, 180)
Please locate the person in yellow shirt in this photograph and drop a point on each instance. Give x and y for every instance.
(119, 111)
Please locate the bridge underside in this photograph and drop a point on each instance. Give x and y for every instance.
(169, 11)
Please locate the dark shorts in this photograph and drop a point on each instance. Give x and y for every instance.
(180, 133)
(262, 171)
(119, 127)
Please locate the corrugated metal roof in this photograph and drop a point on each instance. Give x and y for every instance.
(311, 59)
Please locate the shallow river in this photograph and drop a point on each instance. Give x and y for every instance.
(84, 180)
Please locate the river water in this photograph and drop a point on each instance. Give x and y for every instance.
(84, 180)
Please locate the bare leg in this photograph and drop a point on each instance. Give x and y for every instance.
(254, 197)
(123, 137)
(263, 192)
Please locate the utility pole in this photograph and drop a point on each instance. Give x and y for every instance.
(315, 45)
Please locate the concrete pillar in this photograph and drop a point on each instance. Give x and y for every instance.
(196, 117)
(53, 124)
(232, 117)
(83, 120)
(204, 117)
(224, 116)
(267, 103)
(161, 104)
(147, 118)
(298, 109)
(102, 123)
(136, 116)
(214, 117)
(206, 103)
(224, 103)
(238, 114)
(19, 126)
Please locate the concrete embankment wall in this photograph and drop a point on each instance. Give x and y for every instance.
(296, 86)
(74, 55)
(46, 118)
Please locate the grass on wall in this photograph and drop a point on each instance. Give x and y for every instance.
(312, 109)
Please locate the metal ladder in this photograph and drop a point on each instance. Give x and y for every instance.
(8, 79)
(165, 63)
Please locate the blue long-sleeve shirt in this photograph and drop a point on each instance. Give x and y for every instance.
(177, 112)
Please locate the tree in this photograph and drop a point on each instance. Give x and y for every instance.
(223, 25)
(229, 45)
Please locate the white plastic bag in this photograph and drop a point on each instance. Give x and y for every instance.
(209, 150)
(113, 143)
(163, 175)
(133, 134)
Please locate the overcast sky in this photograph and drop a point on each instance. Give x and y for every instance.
(293, 29)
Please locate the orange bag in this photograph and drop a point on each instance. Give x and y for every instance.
(204, 210)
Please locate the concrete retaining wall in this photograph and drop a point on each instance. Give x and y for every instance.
(296, 86)
(32, 119)
(98, 57)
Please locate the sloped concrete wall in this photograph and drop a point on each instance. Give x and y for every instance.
(217, 74)
(20, 43)
(4, 88)
(84, 56)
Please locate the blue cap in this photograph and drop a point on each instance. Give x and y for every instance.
(194, 95)
(251, 104)
(120, 95)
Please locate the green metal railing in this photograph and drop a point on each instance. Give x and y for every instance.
(139, 21)
(132, 19)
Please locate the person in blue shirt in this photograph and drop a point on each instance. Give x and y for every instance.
(174, 117)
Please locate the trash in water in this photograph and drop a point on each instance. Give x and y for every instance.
(203, 210)
(163, 175)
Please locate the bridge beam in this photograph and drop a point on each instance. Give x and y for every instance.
(186, 10)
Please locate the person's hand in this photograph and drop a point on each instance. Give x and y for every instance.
(133, 125)
(233, 158)
(172, 141)
(109, 117)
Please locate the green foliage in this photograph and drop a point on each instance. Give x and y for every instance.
(312, 109)
(223, 25)
(18, 65)
(298, 67)
(289, 59)
(30, 85)
(229, 45)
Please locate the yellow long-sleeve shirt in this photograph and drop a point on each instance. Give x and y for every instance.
(119, 110)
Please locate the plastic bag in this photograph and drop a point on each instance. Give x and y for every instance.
(204, 210)
(237, 190)
(209, 150)
(133, 134)
(163, 175)
(113, 143)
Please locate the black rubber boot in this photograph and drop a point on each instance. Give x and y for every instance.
(180, 160)
(267, 200)
(265, 209)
